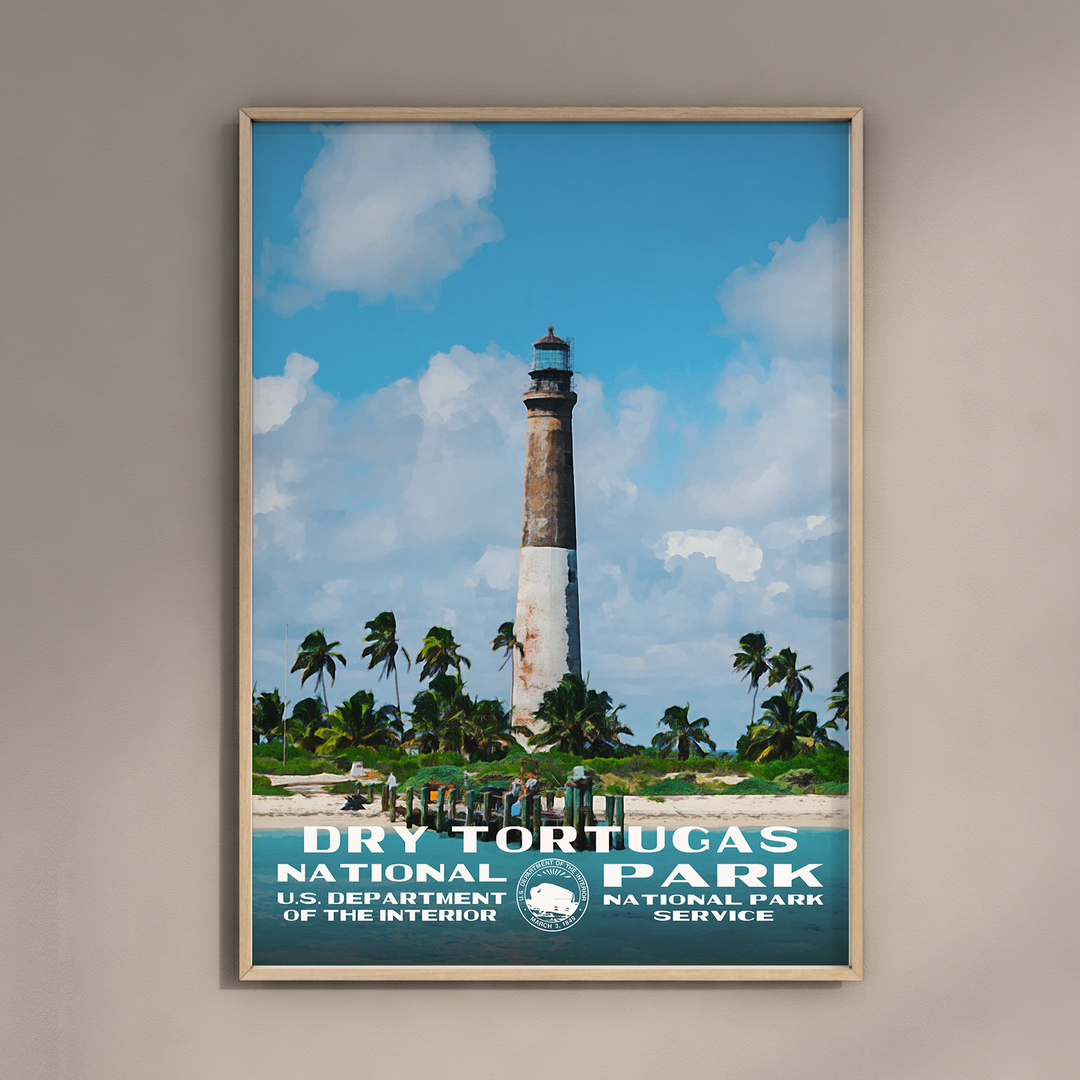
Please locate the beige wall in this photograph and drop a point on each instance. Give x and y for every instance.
(117, 437)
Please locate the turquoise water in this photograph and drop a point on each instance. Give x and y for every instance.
(796, 935)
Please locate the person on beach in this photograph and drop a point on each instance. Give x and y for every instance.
(532, 785)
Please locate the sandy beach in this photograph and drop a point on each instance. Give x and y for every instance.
(708, 811)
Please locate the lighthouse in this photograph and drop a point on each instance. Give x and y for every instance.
(546, 623)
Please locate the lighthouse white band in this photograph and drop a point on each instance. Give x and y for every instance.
(546, 624)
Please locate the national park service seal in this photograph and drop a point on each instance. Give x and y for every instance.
(552, 895)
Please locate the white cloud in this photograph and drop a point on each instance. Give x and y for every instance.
(786, 534)
(275, 396)
(781, 449)
(775, 588)
(604, 452)
(734, 552)
(498, 567)
(268, 498)
(799, 298)
(826, 575)
(386, 210)
(443, 386)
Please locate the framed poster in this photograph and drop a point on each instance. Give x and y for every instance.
(550, 554)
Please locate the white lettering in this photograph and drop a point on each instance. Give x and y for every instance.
(734, 838)
(681, 839)
(366, 836)
(687, 875)
(726, 876)
(784, 876)
(564, 841)
(783, 843)
(311, 838)
(615, 872)
(407, 835)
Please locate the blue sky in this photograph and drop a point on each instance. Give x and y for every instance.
(402, 273)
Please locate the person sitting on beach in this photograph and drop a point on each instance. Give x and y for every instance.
(515, 789)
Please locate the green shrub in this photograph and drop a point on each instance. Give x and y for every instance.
(436, 774)
(266, 759)
(755, 786)
(348, 788)
(828, 765)
(679, 785)
(830, 789)
(260, 785)
(797, 778)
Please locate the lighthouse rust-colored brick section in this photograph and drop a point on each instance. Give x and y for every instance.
(546, 623)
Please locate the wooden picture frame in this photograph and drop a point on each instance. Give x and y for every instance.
(253, 965)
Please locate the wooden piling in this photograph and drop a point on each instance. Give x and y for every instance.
(507, 803)
(568, 805)
(620, 823)
(537, 819)
(393, 805)
(385, 798)
(440, 811)
(425, 804)
(609, 810)
(408, 804)
(581, 820)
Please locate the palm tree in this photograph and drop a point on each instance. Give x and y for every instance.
(440, 717)
(267, 709)
(684, 735)
(316, 656)
(606, 731)
(356, 722)
(839, 700)
(384, 648)
(578, 720)
(784, 669)
(446, 718)
(455, 713)
(506, 640)
(493, 730)
(307, 718)
(753, 661)
(425, 735)
(440, 653)
(786, 731)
